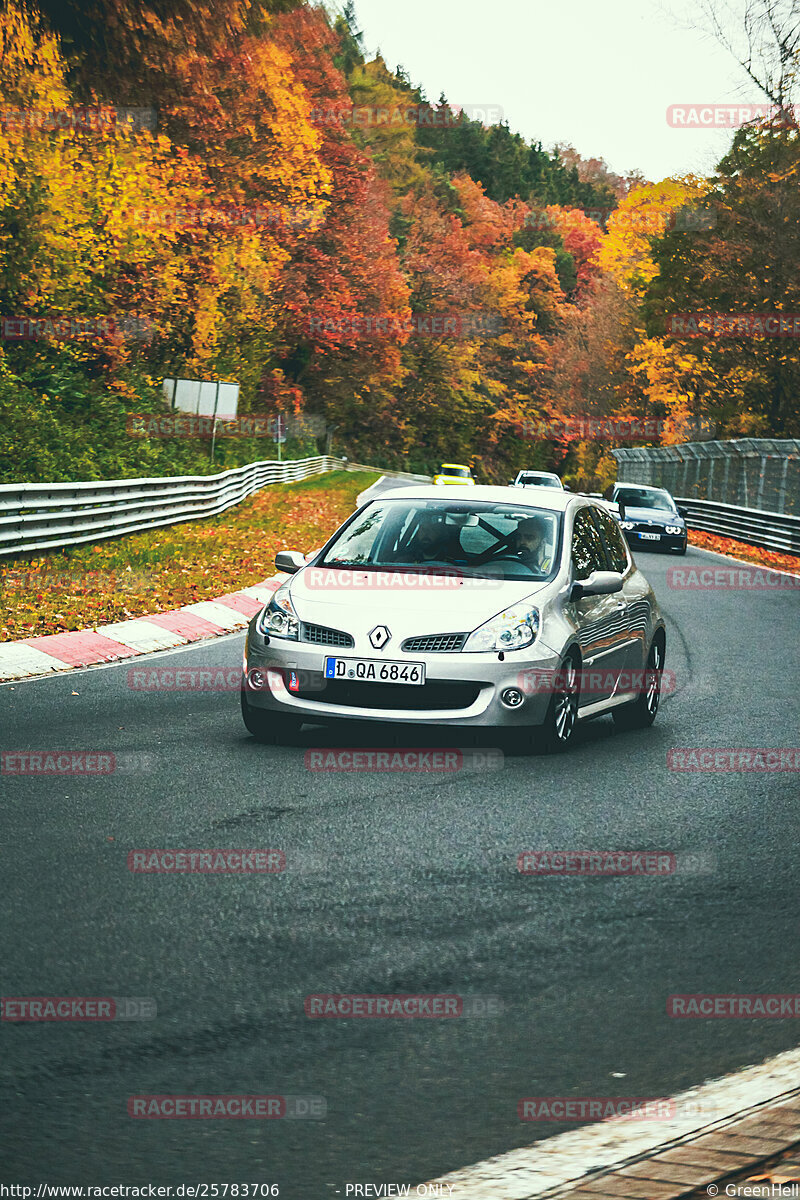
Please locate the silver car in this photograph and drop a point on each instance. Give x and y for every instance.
(487, 606)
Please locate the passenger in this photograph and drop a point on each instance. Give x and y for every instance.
(433, 541)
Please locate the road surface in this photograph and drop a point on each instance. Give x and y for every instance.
(394, 884)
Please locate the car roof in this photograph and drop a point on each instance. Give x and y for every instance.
(552, 499)
(461, 466)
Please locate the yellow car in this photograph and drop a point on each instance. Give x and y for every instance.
(454, 473)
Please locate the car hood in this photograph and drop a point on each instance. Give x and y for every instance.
(658, 516)
(415, 605)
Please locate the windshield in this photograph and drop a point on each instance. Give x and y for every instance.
(479, 539)
(461, 472)
(639, 498)
(540, 480)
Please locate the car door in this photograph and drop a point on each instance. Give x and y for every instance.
(600, 620)
(635, 593)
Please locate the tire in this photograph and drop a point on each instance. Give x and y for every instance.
(641, 712)
(558, 728)
(271, 728)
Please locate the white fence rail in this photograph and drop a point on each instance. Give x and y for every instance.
(46, 516)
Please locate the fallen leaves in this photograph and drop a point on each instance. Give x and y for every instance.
(736, 549)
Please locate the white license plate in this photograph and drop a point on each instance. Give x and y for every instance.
(371, 670)
(651, 537)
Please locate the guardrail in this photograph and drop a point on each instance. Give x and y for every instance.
(773, 531)
(46, 516)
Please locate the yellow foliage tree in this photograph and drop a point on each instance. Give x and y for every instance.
(646, 212)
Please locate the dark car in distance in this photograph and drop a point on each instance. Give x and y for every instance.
(649, 517)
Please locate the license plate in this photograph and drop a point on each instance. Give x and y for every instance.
(651, 537)
(371, 670)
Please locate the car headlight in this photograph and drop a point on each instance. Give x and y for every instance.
(626, 524)
(279, 619)
(673, 528)
(512, 629)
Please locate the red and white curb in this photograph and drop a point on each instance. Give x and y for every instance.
(142, 635)
(557, 1165)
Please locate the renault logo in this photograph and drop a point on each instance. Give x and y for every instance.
(379, 636)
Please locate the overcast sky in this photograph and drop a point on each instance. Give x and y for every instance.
(599, 74)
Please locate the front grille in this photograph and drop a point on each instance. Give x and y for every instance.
(320, 635)
(386, 695)
(642, 527)
(435, 643)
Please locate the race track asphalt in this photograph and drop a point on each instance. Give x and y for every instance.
(395, 883)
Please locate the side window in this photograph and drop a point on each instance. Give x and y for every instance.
(587, 549)
(613, 540)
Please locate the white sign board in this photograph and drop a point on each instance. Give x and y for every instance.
(198, 396)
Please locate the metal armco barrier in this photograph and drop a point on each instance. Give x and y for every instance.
(747, 489)
(46, 516)
(773, 531)
(751, 473)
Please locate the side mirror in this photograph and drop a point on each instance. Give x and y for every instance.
(682, 511)
(599, 583)
(290, 561)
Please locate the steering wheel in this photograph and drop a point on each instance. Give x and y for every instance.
(516, 563)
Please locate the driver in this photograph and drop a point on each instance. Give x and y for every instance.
(528, 544)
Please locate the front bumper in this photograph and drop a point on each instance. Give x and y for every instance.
(475, 681)
(664, 541)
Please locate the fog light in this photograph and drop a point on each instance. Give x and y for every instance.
(256, 679)
(512, 697)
